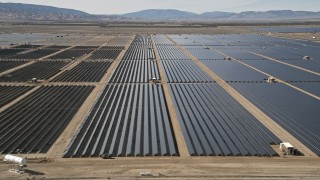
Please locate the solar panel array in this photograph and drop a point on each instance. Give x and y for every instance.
(135, 72)
(7, 65)
(7, 53)
(291, 29)
(34, 54)
(232, 71)
(251, 63)
(34, 123)
(110, 54)
(42, 70)
(205, 54)
(296, 112)
(171, 53)
(86, 71)
(254, 69)
(214, 124)
(131, 117)
(184, 71)
(139, 53)
(10, 93)
(127, 120)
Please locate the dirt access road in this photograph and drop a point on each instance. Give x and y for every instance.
(171, 168)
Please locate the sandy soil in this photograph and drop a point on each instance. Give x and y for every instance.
(120, 30)
(171, 168)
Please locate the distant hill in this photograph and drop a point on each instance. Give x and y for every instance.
(31, 12)
(274, 15)
(161, 14)
(38, 9)
(216, 15)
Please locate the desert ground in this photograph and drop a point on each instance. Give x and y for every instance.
(170, 168)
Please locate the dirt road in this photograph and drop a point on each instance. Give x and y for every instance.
(172, 168)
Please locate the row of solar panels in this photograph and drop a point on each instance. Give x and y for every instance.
(133, 120)
(86, 71)
(293, 110)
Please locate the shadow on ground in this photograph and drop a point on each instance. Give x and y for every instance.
(34, 173)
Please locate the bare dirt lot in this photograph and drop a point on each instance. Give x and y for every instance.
(92, 29)
(171, 168)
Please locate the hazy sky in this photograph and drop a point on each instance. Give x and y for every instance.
(198, 6)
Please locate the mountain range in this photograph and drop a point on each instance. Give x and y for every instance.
(30, 12)
(170, 14)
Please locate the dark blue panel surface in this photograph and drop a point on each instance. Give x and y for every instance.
(127, 120)
(35, 123)
(215, 124)
(282, 71)
(231, 70)
(184, 71)
(296, 112)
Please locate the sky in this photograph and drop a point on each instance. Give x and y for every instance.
(197, 6)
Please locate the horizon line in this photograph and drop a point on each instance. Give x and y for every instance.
(160, 9)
